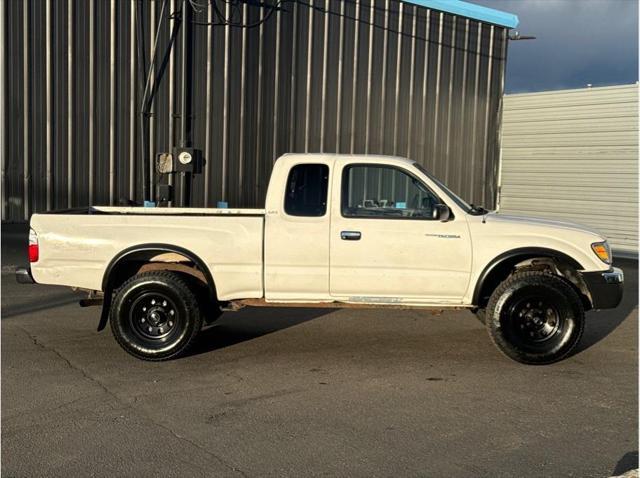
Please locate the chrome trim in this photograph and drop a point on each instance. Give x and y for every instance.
(614, 276)
(350, 235)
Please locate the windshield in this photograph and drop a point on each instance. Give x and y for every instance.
(453, 196)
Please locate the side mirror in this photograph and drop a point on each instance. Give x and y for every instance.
(441, 212)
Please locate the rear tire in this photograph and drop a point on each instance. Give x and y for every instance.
(155, 316)
(535, 317)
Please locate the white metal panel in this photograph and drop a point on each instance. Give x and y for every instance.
(573, 154)
(76, 249)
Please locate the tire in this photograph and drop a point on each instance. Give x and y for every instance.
(535, 317)
(155, 316)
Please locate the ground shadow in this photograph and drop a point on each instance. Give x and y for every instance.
(601, 323)
(250, 323)
(628, 462)
(34, 305)
(15, 239)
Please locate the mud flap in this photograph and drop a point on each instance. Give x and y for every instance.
(106, 306)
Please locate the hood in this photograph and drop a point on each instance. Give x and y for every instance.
(533, 221)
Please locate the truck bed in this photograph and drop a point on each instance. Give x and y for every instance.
(77, 246)
(163, 211)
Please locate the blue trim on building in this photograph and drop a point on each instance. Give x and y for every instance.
(470, 10)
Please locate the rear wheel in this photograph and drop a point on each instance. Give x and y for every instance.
(155, 316)
(535, 317)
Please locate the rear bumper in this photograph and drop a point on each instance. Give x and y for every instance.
(23, 276)
(606, 287)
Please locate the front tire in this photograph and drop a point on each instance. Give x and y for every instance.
(155, 316)
(535, 317)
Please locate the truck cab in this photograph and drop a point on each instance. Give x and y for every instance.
(363, 229)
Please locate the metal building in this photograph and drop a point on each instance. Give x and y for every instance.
(422, 79)
(573, 155)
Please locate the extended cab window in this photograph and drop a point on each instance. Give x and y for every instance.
(385, 192)
(306, 193)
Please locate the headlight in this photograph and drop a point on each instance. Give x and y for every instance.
(603, 251)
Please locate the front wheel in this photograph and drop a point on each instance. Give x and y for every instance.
(155, 316)
(535, 317)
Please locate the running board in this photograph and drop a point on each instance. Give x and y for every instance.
(235, 305)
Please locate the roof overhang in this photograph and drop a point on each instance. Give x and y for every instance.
(470, 10)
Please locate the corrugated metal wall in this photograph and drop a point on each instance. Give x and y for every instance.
(357, 76)
(573, 155)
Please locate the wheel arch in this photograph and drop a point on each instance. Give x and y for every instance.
(146, 253)
(501, 265)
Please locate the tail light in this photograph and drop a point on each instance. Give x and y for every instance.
(34, 251)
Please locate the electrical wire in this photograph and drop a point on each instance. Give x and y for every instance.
(447, 21)
(222, 20)
(153, 57)
(199, 7)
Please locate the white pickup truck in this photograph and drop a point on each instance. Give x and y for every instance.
(336, 231)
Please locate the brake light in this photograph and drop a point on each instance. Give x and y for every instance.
(34, 251)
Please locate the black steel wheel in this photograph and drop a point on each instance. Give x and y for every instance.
(155, 316)
(535, 317)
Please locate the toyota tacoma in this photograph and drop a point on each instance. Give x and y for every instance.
(336, 231)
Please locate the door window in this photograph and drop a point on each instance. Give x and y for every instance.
(306, 193)
(385, 192)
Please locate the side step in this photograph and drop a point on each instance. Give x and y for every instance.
(236, 305)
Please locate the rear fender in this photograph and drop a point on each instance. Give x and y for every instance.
(154, 254)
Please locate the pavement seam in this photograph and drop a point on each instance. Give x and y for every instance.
(49, 348)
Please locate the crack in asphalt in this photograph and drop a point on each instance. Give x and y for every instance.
(127, 405)
(201, 448)
(49, 348)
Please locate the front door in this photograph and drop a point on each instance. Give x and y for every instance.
(385, 245)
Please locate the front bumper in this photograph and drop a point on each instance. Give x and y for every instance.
(606, 287)
(23, 276)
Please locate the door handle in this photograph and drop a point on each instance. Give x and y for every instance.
(350, 235)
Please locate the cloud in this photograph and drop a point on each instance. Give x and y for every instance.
(578, 42)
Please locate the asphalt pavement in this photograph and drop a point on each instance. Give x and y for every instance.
(310, 392)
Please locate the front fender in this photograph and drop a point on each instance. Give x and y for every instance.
(514, 256)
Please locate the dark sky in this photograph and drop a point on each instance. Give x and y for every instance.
(578, 42)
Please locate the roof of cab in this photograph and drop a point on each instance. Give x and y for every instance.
(470, 10)
(355, 157)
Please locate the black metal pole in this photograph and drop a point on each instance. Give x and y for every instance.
(185, 87)
(186, 132)
(143, 118)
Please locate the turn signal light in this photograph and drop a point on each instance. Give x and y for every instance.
(602, 251)
(34, 251)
